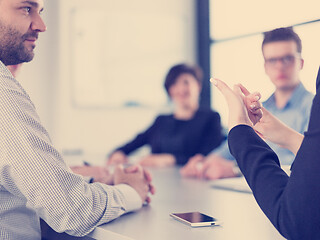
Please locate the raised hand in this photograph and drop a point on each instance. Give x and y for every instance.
(271, 128)
(244, 107)
(251, 101)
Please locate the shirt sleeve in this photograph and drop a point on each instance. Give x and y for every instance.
(133, 199)
(34, 173)
(291, 203)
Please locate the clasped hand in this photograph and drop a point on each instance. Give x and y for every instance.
(137, 177)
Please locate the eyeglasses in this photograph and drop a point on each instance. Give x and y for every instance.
(287, 61)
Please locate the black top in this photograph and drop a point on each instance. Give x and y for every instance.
(291, 203)
(181, 138)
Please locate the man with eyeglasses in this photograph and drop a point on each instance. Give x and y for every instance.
(290, 102)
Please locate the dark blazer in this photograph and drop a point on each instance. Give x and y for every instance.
(292, 203)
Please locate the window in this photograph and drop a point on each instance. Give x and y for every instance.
(236, 29)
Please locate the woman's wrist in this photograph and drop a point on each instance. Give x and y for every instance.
(233, 124)
(294, 141)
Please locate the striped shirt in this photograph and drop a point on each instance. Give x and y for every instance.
(35, 182)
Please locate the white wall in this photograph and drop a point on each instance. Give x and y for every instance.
(39, 77)
(50, 78)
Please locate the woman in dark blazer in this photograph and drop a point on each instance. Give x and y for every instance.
(292, 203)
(176, 137)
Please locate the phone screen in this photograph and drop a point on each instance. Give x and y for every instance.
(194, 218)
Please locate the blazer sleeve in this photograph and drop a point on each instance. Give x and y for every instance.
(213, 135)
(140, 140)
(291, 203)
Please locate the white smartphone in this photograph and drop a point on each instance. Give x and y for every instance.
(195, 219)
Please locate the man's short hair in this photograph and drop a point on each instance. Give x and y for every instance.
(282, 34)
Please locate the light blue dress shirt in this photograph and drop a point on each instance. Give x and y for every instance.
(295, 114)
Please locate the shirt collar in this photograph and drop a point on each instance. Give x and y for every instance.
(297, 94)
(2, 65)
(295, 98)
(4, 70)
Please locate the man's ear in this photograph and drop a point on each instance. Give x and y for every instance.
(301, 63)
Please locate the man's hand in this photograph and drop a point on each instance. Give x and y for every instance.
(118, 157)
(136, 177)
(216, 167)
(193, 167)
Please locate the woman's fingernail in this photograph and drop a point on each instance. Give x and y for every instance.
(213, 81)
(257, 98)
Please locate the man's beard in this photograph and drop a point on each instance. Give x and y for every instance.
(12, 49)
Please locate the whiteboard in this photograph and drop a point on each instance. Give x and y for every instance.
(121, 58)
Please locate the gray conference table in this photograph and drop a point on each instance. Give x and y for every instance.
(239, 213)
